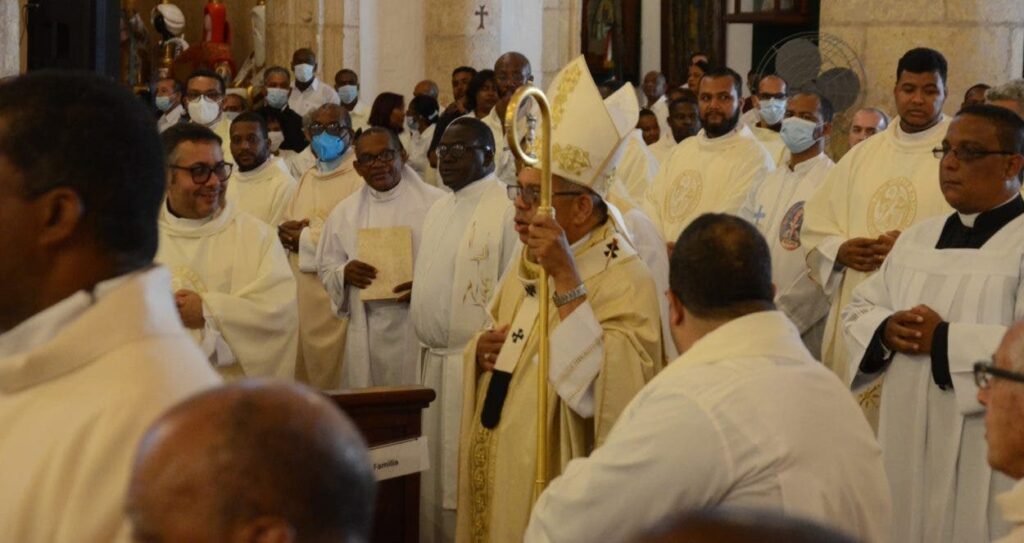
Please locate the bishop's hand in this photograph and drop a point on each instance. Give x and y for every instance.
(550, 248)
(488, 347)
(359, 274)
(190, 307)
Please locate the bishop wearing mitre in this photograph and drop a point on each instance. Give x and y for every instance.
(603, 316)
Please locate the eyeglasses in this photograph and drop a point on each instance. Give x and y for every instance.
(964, 154)
(195, 95)
(984, 371)
(334, 129)
(456, 150)
(384, 156)
(201, 172)
(531, 195)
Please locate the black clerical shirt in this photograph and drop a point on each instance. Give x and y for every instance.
(955, 235)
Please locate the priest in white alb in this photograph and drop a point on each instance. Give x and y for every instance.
(604, 322)
(880, 187)
(321, 331)
(468, 240)
(712, 171)
(770, 102)
(381, 348)
(942, 301)
(262, 186)
(232, 284)
(776, 207)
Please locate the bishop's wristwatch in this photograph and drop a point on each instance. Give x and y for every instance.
(570, 296)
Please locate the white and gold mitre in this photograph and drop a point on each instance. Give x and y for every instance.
(586, 141)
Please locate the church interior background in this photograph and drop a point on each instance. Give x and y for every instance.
(392, 44)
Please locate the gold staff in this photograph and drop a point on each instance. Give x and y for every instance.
(544, 159)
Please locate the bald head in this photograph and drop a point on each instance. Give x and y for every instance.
(331, 113)
(425, 88)
(866, 122)
(511, 71)
(252, 457)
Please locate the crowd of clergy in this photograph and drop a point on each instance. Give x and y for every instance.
(749, 340)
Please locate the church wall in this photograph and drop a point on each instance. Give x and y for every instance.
(983, 40)
(650, 36)
(10, 37)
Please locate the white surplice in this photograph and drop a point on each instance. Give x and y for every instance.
(705, 175)
(888, 182)
(315, 95)
(170, 118)
(468, 239)
(419, 145)
(381, 348)
(321, 332)
(745, 418)
(934, 440)
(776, 207)
(237, 266)
(263, 192)
(79, 383)
(660, 110)
(1012, 505)
(301, 162)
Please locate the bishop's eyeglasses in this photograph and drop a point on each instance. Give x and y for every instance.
(531, 195)
(985, 371)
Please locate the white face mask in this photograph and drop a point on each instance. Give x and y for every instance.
(798, 134)
(772, 111)
(348, 93)
(232, 115)
(276, 138)
(203, 110)
(303, 72)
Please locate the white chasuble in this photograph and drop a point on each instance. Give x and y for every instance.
(321, 331)
(237, 266)
(703, 175)
(888, 182)
(468, 240)
(601, 355)
(933, 439)
(381, 348)
(776, 207)
(263, 192)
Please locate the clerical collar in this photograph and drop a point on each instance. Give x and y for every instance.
(387, 195)
(974, 230)
(474, 189)
(925, 134)
(328, 167)
(186, 223)
(257, 170)
(806, 165)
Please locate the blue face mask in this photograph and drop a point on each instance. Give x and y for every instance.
(327, 147)
(163, 103)
(772, 110)
(798, 134)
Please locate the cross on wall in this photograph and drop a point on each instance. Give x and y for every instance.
(482, 12)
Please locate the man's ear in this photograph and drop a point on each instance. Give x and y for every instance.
(61, 212)
(676, 314)
(266, 529)
(1014, 166)
(826, 130)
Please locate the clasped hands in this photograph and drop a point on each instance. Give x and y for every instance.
(289, 232)
(911, 331)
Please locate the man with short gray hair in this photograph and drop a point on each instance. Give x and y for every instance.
(1009, 95)
(1000, 391)
(277, 82)
(867, 122)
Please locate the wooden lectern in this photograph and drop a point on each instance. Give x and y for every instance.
(388, 415)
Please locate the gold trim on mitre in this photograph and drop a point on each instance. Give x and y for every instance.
(570, 158)
(566, 86)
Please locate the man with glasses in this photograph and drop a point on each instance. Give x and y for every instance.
(204, 98)
(776, 207)
(604, 322)
(231, 281)
(1001, 390)
(467, 243)
(770, 102)
(263, 187)
(942, 300)
(880, 187)
(321, 331)
(381, 348)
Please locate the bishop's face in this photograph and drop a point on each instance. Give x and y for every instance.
(197, 189)
(1004, 411)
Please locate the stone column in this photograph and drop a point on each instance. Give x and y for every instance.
(983, 40)
(563, 21)
(317, 24)
(10, 34)
(391, 47)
